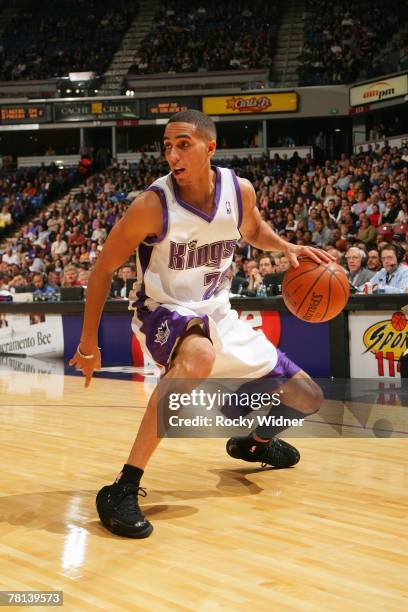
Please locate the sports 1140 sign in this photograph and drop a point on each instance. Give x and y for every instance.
(377, 344)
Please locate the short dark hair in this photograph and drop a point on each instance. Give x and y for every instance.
(203, 122)
(398, 251)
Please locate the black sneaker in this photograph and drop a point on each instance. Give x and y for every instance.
(277, 452)
(119, 510)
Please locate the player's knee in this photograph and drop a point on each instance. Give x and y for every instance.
(196, 359)
(201, 362)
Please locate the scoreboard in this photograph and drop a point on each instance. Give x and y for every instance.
(165, 107)
(25, 113)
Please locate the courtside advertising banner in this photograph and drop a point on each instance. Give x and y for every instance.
(288, 333)
(286, 102)
(377, 342)
(284, 330)
(383, 89)
(35, 334)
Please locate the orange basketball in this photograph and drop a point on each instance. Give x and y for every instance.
(399, 321)
(315, 292)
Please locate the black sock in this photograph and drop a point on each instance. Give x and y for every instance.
(130, 473)
(286, 412)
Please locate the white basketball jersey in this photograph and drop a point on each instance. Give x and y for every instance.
(187, 263)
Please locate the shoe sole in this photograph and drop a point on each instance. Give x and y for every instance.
(123, 530)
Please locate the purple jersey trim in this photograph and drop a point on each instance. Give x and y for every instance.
(163, 329)
(194, 210)
(162, 195)
(144, 252)
(239, 197)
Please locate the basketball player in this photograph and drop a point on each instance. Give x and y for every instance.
(185, 227)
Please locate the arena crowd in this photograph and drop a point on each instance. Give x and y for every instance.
(27, 190)
(50, 39)
(187, 36)
(344, 39)
(353, 207)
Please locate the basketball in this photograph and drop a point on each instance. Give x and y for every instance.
(315, 292)
(398, 321)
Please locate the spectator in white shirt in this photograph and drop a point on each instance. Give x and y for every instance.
(93, 253)
(10, 257)
(99, 232)
(3, 283)
(59, 247)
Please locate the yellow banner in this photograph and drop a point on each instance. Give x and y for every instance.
(259, 103)
(96, 108)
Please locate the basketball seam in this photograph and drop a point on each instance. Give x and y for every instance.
(311, 288)
(333, 273)
(286, 285)
(328, 302)
(341, 285)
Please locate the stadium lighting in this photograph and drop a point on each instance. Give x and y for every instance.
(81, 76)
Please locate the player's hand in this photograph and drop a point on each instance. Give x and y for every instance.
(87, 364)
(293, 251)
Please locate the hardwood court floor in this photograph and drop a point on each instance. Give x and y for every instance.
(330, 534)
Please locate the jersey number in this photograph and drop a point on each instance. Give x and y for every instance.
(214, 280)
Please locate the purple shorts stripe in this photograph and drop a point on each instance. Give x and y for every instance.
(163, 329)
(284, 369)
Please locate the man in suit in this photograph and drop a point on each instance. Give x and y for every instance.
(357, 273)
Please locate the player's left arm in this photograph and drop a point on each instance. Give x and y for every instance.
(260, 235)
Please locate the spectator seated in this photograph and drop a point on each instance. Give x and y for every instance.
(189, 37)
(343, 38)
(52, 38)
(25, 191)
(359, 202)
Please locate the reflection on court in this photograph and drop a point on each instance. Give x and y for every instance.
(326, 534)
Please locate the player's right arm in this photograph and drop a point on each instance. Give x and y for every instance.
(143, 218)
